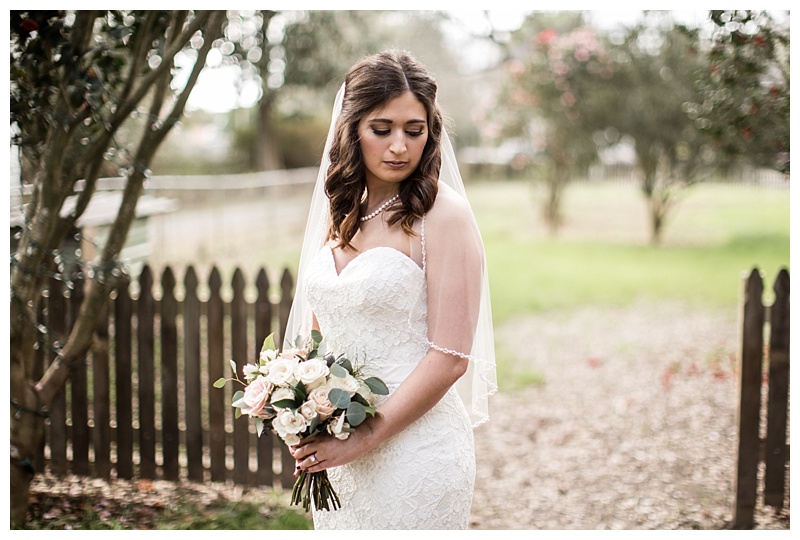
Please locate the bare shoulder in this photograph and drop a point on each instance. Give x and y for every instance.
(448, 211)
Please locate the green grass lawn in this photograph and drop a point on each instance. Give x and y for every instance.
(603, 255)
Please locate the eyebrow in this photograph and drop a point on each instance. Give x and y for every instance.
(387, 121)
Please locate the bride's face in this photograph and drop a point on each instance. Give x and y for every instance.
(392, 138)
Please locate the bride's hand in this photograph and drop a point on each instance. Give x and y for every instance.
(325, 451)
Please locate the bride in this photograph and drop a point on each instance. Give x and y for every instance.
(392, 273)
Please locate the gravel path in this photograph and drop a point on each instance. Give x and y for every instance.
(632, 428)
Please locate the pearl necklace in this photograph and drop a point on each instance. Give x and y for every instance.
(380, 209)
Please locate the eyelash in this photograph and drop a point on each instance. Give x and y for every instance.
(384, 132)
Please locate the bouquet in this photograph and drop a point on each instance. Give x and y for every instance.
(300, 393)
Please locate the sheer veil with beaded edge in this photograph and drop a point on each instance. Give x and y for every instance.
(480, 381)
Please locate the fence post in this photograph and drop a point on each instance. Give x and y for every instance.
(776, 454)
(749, 402)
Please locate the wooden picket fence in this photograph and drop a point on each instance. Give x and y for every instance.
(763, 400)
(143, 404)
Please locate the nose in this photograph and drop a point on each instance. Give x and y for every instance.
(398, 143)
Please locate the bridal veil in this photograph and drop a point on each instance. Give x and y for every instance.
(448, 311)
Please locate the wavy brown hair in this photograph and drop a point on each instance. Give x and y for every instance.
(370, 84)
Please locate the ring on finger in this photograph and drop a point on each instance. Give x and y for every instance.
(313, 458)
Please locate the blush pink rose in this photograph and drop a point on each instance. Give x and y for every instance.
(319, 397)
(256, 396)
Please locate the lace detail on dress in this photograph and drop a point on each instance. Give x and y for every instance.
(375, 311)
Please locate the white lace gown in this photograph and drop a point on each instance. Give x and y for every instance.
(422, 478)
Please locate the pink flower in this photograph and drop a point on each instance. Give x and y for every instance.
(319, 397)
(256, 397)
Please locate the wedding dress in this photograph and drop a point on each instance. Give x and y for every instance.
(375, 312)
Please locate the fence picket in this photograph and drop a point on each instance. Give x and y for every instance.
(78, 393)
(217, 400)
(239, 349)
(263, 324)
(776, 454)
(123, 356)
(101, 399)
(57, 324)
(170, 435)
(192, 370)
(146, 370)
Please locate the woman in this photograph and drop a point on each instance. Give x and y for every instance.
(393, 275)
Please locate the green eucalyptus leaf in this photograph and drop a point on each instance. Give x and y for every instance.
(370, 410)
(237, 400)
(237, 413)
(339, 398)
(345, 363)
(377, 386)
(356, 413)
(311, 354)
(219, 383)
(360, 399)
(285, 404)
(316, 336)
(312, 427)
(338, 371)
(233, 366)
(259, 426)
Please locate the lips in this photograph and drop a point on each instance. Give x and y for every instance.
(395, 164)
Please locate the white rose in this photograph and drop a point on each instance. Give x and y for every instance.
(348, 383)
(291, 439)
(337, 428)
(312, 373)
(367, 394)
(250, 371)
(308, 410)
(281, 372)
(267, 355)
(288, 422)
(280, 394)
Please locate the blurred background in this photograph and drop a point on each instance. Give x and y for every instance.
(615, 133)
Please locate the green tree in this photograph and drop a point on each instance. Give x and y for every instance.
(77, 79)
(557, 92)
(743, 101)
(657, 64)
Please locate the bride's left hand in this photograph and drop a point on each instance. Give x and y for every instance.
(325, 451)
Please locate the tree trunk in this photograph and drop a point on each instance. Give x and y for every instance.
(267, 157)
(43, 235)
(27, 424)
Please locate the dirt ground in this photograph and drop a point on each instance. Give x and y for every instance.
(633, 427)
